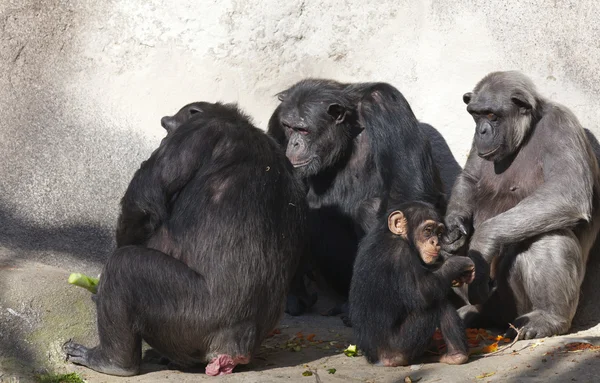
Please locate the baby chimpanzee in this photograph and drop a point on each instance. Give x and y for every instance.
(399, 289)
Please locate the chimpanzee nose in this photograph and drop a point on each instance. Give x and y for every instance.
(484, 129)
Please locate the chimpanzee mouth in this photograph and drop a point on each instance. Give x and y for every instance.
(303, 163)
(490, 153)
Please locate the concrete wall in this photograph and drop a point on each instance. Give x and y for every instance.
(84, 83)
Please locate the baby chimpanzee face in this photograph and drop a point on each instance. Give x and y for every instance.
(423, 231)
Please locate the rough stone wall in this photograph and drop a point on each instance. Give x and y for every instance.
(83, 84)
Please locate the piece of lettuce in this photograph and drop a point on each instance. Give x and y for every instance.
(81, 280)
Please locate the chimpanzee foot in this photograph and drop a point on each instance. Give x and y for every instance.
(297, 305)
(346, 320)
(224, 364)
(341, 308)
(454, 358)
(392, 361)
(538, 324)
(78, 354)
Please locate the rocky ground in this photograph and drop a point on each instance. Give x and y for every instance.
(39, 311)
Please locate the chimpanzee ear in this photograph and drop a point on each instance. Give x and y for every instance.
(338, 112)
(397, 223)
(281, 95)
(521, 101)
(467, 97)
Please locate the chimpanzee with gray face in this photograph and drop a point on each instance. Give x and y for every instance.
(527, 204)
(358, 147)
(211, 230)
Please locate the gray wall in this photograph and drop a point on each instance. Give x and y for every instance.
(84, 83)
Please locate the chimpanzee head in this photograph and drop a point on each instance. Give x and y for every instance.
(503, 106)
(420, 225)
(170, 123)
(317, 121)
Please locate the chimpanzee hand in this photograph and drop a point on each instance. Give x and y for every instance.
(479, 290)
(466, 277)
(457, 233)
(463, 269)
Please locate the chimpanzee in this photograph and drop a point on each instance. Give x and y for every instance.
(356, 146)
(400, 286)
(529, 195)
(187, 112)
(211, 230)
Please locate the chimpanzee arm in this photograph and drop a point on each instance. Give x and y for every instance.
(459, 213)
(562, 201)
(145, 203)
(436, 285)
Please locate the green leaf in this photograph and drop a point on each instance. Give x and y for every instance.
(307, 373)
(331, 370)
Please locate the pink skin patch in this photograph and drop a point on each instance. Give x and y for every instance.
(224, 364)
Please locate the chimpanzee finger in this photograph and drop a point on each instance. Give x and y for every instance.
(451, 236)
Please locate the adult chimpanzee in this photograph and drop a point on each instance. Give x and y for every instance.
(186, 113)
(400, 286)
(529, 196)
(218, 218)
(356, 146)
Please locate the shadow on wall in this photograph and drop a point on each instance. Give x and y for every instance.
(28, 241)
(443, 157)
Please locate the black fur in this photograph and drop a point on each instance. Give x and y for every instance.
(365, 149)
(211, 230)
(396, 300)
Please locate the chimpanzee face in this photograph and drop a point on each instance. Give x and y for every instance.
(419, 225)
(170, 123)
(502, 114)
(316, 127)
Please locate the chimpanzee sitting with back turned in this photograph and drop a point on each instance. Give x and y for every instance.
(211, 230)
(399, 290)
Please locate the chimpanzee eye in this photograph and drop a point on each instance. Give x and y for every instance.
(492, 117)
(301, 131)
(194, 110)
(428, 231)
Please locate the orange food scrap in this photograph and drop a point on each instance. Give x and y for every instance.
(472, 332)
(506, 340)
(310, 337)
(299, 335)
(274, 332)
(491, 348)
(580, 346)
